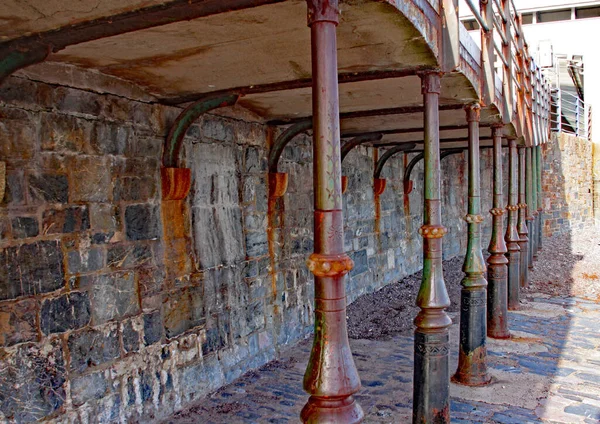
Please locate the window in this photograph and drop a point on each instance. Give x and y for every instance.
(554, 15)
(587, 12)
(527, 18)
(471, 24)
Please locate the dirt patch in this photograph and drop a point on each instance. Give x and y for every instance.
(390, 311)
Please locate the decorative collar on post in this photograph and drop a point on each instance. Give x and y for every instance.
(176, 181)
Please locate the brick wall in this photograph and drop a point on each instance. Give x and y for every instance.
(117, 306)
(567, 184)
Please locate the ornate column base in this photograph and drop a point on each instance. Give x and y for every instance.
(332, 410)
(431, 398)
(472, 366)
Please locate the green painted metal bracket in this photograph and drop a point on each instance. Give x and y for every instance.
(11, 60)
(387, 155)
(416, 160)
(186, 119)
(357, 141)
(283, 140)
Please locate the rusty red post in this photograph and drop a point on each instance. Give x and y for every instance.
(331, 377)
(431, 383)
(512, 235)
(497, 292)
(472, 354)
(522, 223)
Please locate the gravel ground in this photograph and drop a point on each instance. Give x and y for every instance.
(568, 265)
(390, 311)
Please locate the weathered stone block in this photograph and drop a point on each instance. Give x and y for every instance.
(127, 256)
(114, 296)
(104, 217)
(15, 188)
(31, 269)
(69, 220)
(64, 133)
(67, 312)
(25, 226)
(88, 387)
(109, 138)
(130, 333)
(361, 263)
(88, 260)
(18, 138)
(18, 322)
(256, 244)
(135, 189)
(90, 179)
(93, 346)
(142, 222)
(153, 328)
(32, 381)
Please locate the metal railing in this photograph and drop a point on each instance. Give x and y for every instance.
(570, 114)
(505, 54)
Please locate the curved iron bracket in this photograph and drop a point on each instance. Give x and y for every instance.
(388, 154)
(284, 139)
(185, 119)
(351, 144)
(176, 181)
(11, 60)
(408, 184)
(379, 183)
(278, 181)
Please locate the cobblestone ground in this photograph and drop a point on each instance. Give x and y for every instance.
(547, 372)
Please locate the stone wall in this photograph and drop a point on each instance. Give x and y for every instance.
(567, 184)
(117, 306)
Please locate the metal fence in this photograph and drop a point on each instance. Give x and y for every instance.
(570, 114)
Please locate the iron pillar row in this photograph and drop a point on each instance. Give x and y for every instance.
(431, 387)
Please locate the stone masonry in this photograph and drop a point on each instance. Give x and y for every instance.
(116, 306)
(567, 184)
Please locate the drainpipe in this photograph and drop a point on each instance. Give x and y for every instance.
(512, 235)
(472, 355)
(331, 378)
(522, 222)
(431, 387)
(497, 292)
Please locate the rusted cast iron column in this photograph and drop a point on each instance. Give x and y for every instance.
(512, 235)
(431, 387)
(538, 156)
(497, 292)
(331, 377)
(522, 223)
(472, 367)
(532, 207)
(528, 212)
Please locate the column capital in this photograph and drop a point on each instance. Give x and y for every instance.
(430, 82)
(323, 11)
(473, 112)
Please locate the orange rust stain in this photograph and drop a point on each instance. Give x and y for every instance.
(175, 227)
(272, 213)
(590, 276)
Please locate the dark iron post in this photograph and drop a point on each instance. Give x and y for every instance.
(540, 208)
(531, 210)
(522, 223)
(497, 292)
(532, 207)
(512, 235)
(472, 354)
(331, 377)
(431, 387)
